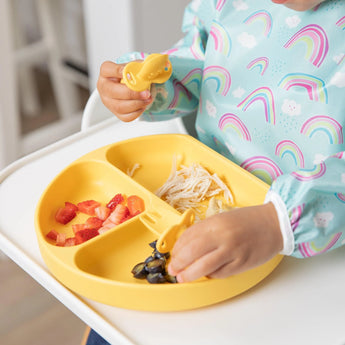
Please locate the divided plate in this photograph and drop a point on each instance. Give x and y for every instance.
(100, 269)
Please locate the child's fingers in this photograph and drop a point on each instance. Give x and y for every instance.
(111, 70)
(124, 107)
(187, 252)
(204, 266)
(122, 92)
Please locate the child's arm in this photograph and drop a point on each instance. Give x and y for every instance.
(315, 204)
(180, 94)
(126, 104)
(227, 243)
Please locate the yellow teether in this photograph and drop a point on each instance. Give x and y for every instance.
(139, 76)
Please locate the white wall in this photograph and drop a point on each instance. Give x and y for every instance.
(116, 27)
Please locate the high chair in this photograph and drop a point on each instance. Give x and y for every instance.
(17, 54)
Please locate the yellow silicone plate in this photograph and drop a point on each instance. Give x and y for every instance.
(100, 269)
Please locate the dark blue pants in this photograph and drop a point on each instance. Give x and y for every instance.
(95, 339)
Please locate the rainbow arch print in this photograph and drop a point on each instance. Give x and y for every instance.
(341, 23)
(221, 38)
(220, 75)
(295, 216)
(194, 76)
(180, 92)
(340, 197)
(262, 167)
(314, 86)
(288, 147)
(310, 174)
(265, 95)
(316, 41)
(197, 48)
(260, 63)
(220, 4)
(311, 249)
(232, 121)
(262, 16)
(324, 124)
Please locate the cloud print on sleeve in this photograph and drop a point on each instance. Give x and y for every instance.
(247, 40)
(338, 80)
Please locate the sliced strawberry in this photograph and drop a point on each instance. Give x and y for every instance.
(88, 207)
(117, 199)
(78, 227)
(120, 212)
(65, 214)
(61, 239)
(126, 218)
(135, 205)
(70, 241)
(71, 206)
(52, 235)
(102, 212)
(85, 235)
(94, 223)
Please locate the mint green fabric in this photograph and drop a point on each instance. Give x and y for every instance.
(268, 85)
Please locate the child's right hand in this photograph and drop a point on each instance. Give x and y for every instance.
(126, 104)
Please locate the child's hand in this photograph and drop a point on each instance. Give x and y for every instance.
(126, 104)
(227, 243)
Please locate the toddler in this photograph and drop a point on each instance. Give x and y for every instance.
(267, 80)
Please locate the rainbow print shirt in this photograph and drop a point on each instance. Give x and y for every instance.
(268, 86)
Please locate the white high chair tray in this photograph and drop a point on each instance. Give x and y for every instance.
(301, 302)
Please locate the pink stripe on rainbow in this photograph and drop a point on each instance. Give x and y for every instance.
(262, 167)
(314, 86)
(220, 75)
(316, 41)
(220, 4)
(180, 92)
(340, 197)
(324, 124)
(310, 174)
(295, 216)
(341, 23)
(232, 121)
(288, 147)
(221, 38)
(197, 48)
(261, 63)
(265, 95)
(310, 249)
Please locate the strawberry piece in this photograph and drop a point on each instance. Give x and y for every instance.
(71, 206)
(52, 235)
(120, 213)
(78, 227)
(85, 235)
(135, 205)
(117, 199)
(102, 212)
(65, 214)
(70, 241)
(61, 239)
(88, 207)
(93, 223)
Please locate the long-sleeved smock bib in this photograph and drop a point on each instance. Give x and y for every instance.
(268, 86)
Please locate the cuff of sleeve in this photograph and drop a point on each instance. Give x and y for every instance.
(284, 222)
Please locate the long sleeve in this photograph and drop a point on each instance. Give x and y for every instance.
(180, 94)
(315, 204)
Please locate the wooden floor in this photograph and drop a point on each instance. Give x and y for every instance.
(29, 315)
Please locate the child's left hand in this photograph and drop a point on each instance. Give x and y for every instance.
(227, 243)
